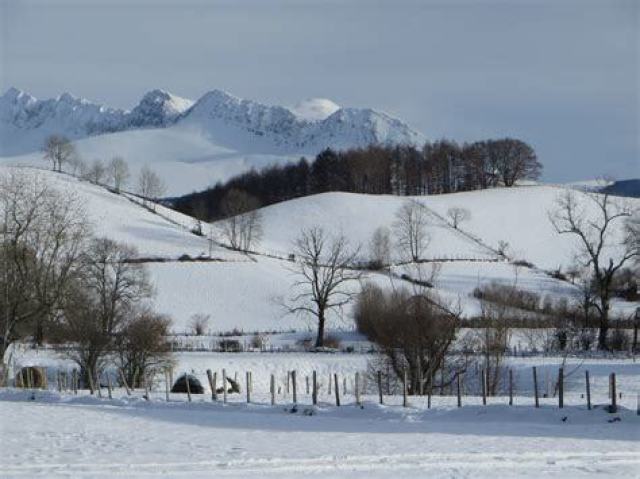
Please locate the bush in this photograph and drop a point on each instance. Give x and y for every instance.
(619, 340)
(230, 345)
(332, 341)
(507, 296)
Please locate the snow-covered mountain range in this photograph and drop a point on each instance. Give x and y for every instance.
(225, 120)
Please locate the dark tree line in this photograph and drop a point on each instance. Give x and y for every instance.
(440, 167)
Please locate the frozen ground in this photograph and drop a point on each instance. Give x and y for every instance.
(50, 436)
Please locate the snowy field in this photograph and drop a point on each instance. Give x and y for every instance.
(47, 434)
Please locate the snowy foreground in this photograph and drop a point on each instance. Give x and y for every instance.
(53, 436)
(49, 434)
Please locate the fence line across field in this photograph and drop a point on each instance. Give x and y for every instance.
(33, 378)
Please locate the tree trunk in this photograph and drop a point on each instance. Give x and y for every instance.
(320, 338)
(604, 326)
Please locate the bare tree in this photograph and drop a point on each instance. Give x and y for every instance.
(380, 248)
(199, 323)
(150, 185)
(410, 229)
(118, 172)
(595, 230)
(96, 172)
(78, 166)
(457, 215)
(324, 277)
(59, 150)
(242, 227)
(42, 232)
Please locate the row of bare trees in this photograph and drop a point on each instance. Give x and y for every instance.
(59, 284)
(61, 152)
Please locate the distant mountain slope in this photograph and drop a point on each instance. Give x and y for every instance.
(630, 188)
(227, 120)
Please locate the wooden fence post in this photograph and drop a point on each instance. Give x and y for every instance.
(314, 396)
(612, 381)
(186, 378)
(75, 382)
(357, 388)
(510, 387)
(306, 380)
(535, 386)
(272, 389)
(211, 385)
(329, 384)
(294, 385)
(561, 388)
(224, 386)
(586, 377)
(458, 390)
(214, 391)
(166, 384)
(404, 388)
(337, 390)
(248, 387)
(484, 387)
(380, 387)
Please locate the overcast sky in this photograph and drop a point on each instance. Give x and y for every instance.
(561, 75)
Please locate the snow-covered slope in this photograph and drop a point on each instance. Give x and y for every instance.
(245, 292)
(519, 216)
(154, 235)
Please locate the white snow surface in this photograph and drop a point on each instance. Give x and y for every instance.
(519, 216)
(246, 292)
(48, 434)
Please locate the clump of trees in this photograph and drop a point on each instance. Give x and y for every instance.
(440, 167)
(60, 284)
(413, 332)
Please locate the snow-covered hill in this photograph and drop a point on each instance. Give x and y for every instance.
(244, 292)
(518, 216)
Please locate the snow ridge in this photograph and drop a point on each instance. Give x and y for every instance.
(25, 121)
